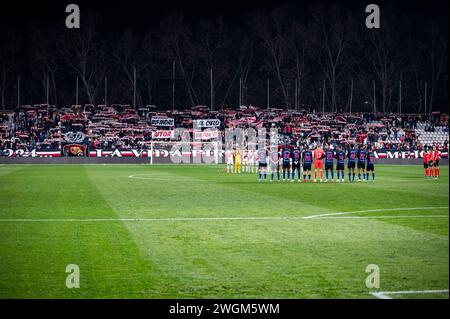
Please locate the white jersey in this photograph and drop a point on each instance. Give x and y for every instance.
(229, 155)
(244, 157)
(251, 157)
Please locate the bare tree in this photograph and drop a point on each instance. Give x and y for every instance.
(177, 44)
(272, 28)
(330, 32)
(437, 55)
(8, 51)
(84, 51)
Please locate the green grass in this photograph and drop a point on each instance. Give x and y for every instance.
(217, 258)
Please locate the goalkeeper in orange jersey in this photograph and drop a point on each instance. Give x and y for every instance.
(318, 155)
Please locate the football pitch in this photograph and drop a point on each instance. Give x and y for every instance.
(194, 231)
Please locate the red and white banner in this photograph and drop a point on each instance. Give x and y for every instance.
(163, 134)
(207, 123)
(162, 121)
(179, 151)
(205, 135)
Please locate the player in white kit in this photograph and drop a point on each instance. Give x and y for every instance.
(229, 155)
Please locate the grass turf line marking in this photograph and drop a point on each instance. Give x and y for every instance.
(321, 216)
(374, 211)
(384, 294)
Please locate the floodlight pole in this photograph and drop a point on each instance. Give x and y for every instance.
(323, 97)
(374, 99)
(425, 104)
(18, 91)
(173, 85)
(76, 92)
(106, 90)
(47, 89)
(240, 91)
(295, 95)
(211, 85)
(134, 88)
(351, 97)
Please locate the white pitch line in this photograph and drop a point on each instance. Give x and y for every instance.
(375, 211)
(321, 216)
(388, 216)
(384, 294)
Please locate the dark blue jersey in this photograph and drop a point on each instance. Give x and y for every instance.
(371, 157)
(286, 154)
(307, 157)
(351, 155)
(340, 156)
(329, 156)
(362, 156)
(296, 155)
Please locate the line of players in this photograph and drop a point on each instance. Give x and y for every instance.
(431, 159)
(241, 161)
(290, 161)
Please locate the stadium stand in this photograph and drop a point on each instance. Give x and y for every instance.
(117, 126)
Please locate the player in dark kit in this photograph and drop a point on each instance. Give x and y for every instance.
(329, 157)
(296, 158)
(362, 157)
(286, 157)
(340, 165)
(351, 155)
(307, 161)
(370, 164)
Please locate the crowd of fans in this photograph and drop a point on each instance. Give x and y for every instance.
(42, 127)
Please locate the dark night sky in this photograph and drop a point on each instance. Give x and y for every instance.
(140, 14)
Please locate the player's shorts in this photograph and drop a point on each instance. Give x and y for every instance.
(362, 165)
(329, 166)
(306, 166)
(436, 163)
(275, 167)
(296, 166)
(318, 164)
(370, 167)
(340, 166)
(425, 165)
(351, 165)
(286, 165)
(262, 165)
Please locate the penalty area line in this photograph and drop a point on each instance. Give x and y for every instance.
(385, 294)
(231, 218)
